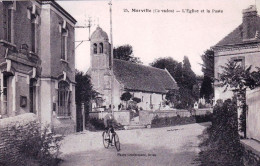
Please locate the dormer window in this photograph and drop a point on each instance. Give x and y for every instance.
(95, 48)
(100, 48)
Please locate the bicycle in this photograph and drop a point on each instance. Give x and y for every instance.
(109, 141)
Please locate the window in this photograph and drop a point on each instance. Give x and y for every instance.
(5, 94)
(107, 84)
(101, 48)
(32, 95)
(63, 28)
(64, 35)
(95, 48)
(99, 102)
(32, 14)
(240, 61)
(7, 21)
(33, 31)
(63, 99)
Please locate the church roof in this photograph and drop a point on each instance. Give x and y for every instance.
(99, 34)
(138, 77)
(236, 36)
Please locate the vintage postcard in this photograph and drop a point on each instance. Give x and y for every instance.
(131, 82)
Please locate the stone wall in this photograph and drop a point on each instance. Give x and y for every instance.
(251, 156)
(9, 148)
(122, 117)
(146, 117)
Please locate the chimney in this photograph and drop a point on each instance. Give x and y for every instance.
(249, 23)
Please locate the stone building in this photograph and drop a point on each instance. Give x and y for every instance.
(37, 62)
(243, 46)
(144, 82)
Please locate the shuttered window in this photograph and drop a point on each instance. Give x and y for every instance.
(64, 95)
(7, 21)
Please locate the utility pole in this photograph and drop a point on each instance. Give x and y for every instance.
(85, 26)
(111, 58)
(80, 42)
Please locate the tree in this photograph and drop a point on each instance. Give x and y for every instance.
(208, 63)
(174, 67)
(84, 89)
(186, 100)
(84, 93)
(136, 99)
(125, 52)
(173, 97)
(196, 92)
(206, 90)
(188, 76)
(126, 96)
(238, 79)
(185, 78)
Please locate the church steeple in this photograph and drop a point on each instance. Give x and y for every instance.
(99, 49)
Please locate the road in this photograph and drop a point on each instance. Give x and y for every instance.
(171, 146)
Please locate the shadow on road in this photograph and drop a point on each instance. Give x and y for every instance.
(131, 155)
(205, 124)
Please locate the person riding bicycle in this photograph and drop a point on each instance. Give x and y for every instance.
(109, 121)
(110, 137)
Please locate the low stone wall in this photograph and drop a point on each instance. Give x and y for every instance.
(122, 117)
(146, 117)
(203, 111)
(63, 126)
(251, 155)
(9, 152)
(183, 113)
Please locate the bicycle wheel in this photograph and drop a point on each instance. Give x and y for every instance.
(106, 139)
(116, 141)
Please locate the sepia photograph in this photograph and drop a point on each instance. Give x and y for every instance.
(129, 83)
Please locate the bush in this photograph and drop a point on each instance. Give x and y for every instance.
(202, 105)
(136, 99)
(171, 121)
(40, 147)
(95, 124)
(203, 118)
(221, 139)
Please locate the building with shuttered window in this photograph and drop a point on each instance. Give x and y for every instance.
(242, 45)
(37, 62)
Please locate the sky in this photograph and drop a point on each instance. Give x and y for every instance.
(158, 34)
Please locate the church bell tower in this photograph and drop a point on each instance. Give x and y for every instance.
(100, 50)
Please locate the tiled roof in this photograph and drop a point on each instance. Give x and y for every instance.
(143, 78)
(236, 36)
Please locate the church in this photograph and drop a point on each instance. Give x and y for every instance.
(113, 77)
